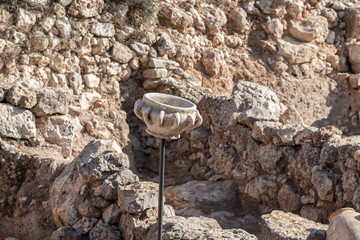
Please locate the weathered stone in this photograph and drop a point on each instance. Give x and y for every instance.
(354, 57)
(294, 9)
(103, 29)
(103, 231)
(310, 29)
(296, 52)
(215, 20)
(331, 17)
(322, 183)
(161, 63)
(102, 46)
(155, 73)
(140, 48)
(101, 167)
(165, 44)
(284, 226)
(84, 225)
(76, 82)
(66, 188)
(40, 41)
(259, 103)
(138, 197)
(291, 117)
(174, 17)
(208, 194)
(86, 8)
(212, 62)
(66, 233)
(111, 214)
(352, 20)
(21, 96)
(25, 20)
(57, 63)
(122, 53)
(48, 23)
(59, 130)
(16, 122)
(339, 63)
(262, 188)
(275, 27)
(64, 27)
(237, 18)
(51, 101)
(91, 81)
(65, 2)
(354, 81)
(272, 7)
(38, 3)
(289, 200)
(114, 68)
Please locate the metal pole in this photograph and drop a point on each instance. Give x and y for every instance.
(161, 188)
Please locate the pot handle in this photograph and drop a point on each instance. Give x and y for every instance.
(199, 120)
(139, 104)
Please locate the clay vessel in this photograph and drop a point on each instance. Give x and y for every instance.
(166, 116)
(344, 225)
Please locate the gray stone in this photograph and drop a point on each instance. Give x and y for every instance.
(103, 231)
(67, 187)
(322, 183)
(38, 3)
(161, 63)
(84, 225)
(238, 20)
(262, 188)
(165, 45)
(59, 130)
(297, 52)
(102, 46)
(21, 96)
(155, 73)
(48, 23)
(40, 41)
(122, 53)
(91, 80)
(315, 28)
(272, 7)
(111, 214)
(138, 197)
(86, 8)
(259, 103)
(215, 20)
(25, 20)
(289, 200)
(66, 233)
(76, 82)
(100, 167)
(16, 122)
(51, 101)
(64, 27)
(103, 29)
(331, 17)
(174, 17)
(283, 226)
(208, 194)
(2, 94)
(65, 2)
(338, 6)
(140, 48)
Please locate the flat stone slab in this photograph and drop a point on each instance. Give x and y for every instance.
(288, 226)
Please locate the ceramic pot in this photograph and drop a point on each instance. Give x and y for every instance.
(344, 225)
(166, 116)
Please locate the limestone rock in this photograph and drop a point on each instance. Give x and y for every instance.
(237, 18)
(103, 29)
(275, 27)
(76, 82)
(66, 187)
(38, 3)
(51, 101)
(66, 233)
(16, 122)
(91, 81)
(40, 41)
(354, 81)
(165, 44)
(138, 197)
(84, 225)
(25, 19)
(101, 46)
(140, 48)
(212, 62)
(64, 27)
(174, 17)
(208, 194)
(103, 231)
(262, 188)
(322, 183)
(122, 53)
(283, 226)
(354, 57)
(111, 214)
(99, 168)
(331, 16)
(296, 52)
(21, 96)
(162, 63)
(155, 73)
(86, 8)
(215, 20)
(308, 30)
(59, 130)
(259, 103)
(289, 200)
(352, 20)
(272, 7)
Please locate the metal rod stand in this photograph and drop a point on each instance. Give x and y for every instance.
(161, 188)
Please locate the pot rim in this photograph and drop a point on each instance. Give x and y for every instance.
(149, 97)
(339, 211)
